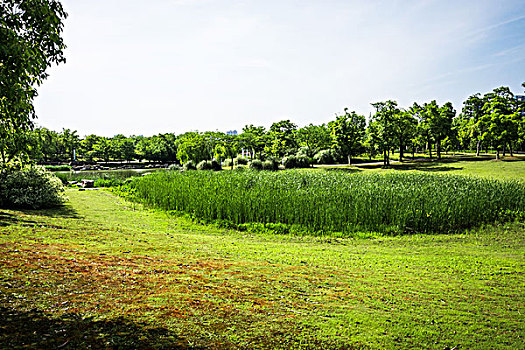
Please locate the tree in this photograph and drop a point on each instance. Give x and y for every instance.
(282, 139)
(501, 119)
(30, 32)
(347, 133)
(470, 127)
(254, 138)
(403, 129)
(383, 127)
(314, 138)
(441, 127)
(192, 146)
(228, 147)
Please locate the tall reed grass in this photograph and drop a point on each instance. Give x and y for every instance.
(335, 202)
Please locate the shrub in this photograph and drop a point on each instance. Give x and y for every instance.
(299, 161)
(215, 165)
(108, 182)
(256, 164)
(174, 167)
(58, 167)
(240, 161)
(189, 165)
(33, 188)
(204, 165)
(324, 157)
(227, 163)
(270, 164)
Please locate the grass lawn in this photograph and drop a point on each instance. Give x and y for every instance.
(103, 273)
(485, 166)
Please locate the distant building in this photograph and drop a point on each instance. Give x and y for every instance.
(520, 98)
(232, 132)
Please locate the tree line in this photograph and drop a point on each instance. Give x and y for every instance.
(494, 121)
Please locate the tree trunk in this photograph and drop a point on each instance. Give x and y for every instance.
(438, 149)
(478, 146)
(497, 153)
(510, 150)
(504, 150)
(430, 149)
(349, 159)
(401, 152)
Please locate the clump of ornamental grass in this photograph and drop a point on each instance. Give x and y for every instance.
(336, 202)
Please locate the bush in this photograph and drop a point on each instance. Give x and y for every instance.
(240, 161)
(270, 164)
(204, 165)
(58, 167)
(256, 164)
(189, 165)
(215, 165)
(107, 182)
(299, 161)
(174, 167)
(33, 188)
(324, 157)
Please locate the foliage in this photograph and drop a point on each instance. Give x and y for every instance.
(32, 187)
(31, 42)
(240, 161)
(256, 164)
(282, 139)
(270, 164)
(347, 133)
(58, 167)
(336, 202)
(296, 161)
(324, 157)
(189, 165)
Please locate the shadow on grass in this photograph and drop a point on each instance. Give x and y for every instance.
(61, 211)
(342, 170)
(10, 217)
(36, 330)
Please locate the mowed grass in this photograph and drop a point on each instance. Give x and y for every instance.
(509, 168)
(105, 273)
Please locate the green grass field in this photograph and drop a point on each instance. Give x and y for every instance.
(101, 272)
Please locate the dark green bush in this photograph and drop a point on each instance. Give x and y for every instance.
(270, 164)
(256, 164)
(33, 188)
(204, 165)
(215, 165)
(189, 165)
(293, 161)
(240, 161)
(324, 157)
(58, 167)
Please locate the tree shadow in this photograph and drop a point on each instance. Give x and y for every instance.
(27, 218)
(342, 170)
(61, 211)
(36, 330)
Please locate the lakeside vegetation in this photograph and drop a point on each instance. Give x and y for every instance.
(334, 203)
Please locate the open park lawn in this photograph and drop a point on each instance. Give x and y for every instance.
(101, 272)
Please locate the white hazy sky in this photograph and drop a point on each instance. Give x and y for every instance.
(147, 67)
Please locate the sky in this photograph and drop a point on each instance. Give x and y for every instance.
(138, 67)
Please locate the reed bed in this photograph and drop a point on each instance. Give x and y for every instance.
(325, 202)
